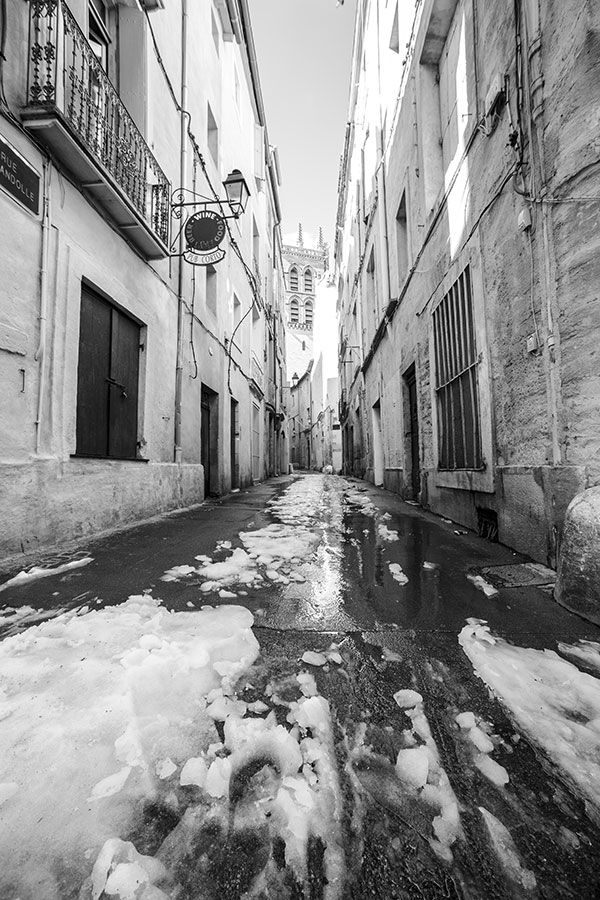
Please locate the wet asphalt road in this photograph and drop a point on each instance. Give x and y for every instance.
(350, 597)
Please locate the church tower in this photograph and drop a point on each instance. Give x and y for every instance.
(304, 267)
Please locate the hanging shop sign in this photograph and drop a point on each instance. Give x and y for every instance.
(204, 231)
(18, 178)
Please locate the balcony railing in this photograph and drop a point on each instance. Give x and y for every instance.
(73, 106)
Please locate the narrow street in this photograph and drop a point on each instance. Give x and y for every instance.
(296, 692)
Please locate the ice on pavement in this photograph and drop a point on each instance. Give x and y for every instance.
(475, 733)
(417, 775)
(269, 555)
(412, 766)
(120, 871)
(587, 652)
(387, 534)
(397, 573)
(37, 572)
(550, 700)
(92, 704)
(407, 698)
(437, 791)
(275, 553)
(312, 658)
(506, 851)
(16, 619)
(176, 572)
(482, 585)
(107, 711)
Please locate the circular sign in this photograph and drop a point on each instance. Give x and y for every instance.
(204, 230)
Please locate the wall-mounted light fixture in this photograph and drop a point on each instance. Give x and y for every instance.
(205, 229)
(237, 192)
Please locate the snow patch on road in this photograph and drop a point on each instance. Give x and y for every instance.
(587, 652)
(387, 534)
(506, 851)
(37, 572)
(482, 585)
(397, 573)
(107, 712)
(92, 705)
(552, 702)
(475, 731)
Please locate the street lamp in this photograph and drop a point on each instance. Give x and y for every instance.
(295, 380)
(206, 228)
(237, 192)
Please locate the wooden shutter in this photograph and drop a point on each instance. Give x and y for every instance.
(92, 374)
(123, 392)
(107, 380)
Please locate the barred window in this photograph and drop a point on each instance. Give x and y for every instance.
(294, 281)
(459, 430)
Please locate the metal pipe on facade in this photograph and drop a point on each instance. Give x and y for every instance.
(384, 249)
(235, 21)
(535, 116)
(178, 452)
(40, 352)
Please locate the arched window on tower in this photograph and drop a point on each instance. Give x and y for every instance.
(308, 313)
(294, 283)
(308, 281)
(294, 310)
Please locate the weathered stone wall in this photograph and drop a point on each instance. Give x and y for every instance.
(48, 501)
(540, 410)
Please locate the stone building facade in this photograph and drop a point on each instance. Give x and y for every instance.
(133, 381)
(467, 258)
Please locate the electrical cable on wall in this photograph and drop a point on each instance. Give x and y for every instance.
(256, 298)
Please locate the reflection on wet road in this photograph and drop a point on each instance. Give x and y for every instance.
(448, 798)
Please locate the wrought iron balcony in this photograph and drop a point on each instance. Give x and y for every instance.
(76, 112)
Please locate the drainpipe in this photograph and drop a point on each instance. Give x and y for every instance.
(535, 102)
(382, 205)
(41, 348)
(178, 453)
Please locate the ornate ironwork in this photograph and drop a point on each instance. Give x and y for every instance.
(66, 76)
(184, 203)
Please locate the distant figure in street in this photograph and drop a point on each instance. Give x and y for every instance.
(328, 470)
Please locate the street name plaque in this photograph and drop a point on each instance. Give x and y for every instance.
(18, 178)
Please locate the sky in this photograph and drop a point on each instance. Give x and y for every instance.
(304, 51)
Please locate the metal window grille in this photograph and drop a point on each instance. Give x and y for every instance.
(459, 432)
